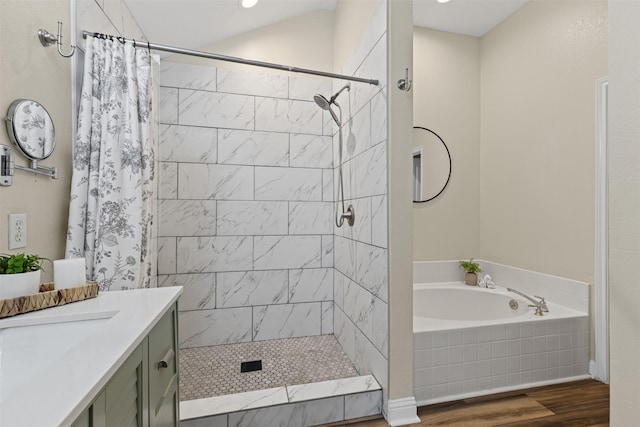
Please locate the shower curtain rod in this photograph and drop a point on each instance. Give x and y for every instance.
(208, 55)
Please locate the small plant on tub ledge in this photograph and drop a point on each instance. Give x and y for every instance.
(471, 269)
(19, 275)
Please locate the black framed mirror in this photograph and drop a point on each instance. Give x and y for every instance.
(431, 165)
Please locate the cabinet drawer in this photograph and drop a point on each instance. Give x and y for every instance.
(163, 351)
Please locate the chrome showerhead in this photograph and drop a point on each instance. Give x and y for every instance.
(322, 102)
(326, 105)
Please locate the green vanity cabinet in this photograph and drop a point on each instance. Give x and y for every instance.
(163, 372)
(144, 390)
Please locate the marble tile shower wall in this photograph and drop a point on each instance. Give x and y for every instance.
(360, 281)
(246, 191)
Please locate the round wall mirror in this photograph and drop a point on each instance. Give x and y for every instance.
(31, 129)
(431, 165)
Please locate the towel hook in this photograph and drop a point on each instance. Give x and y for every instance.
(405, 84)
(47, 39)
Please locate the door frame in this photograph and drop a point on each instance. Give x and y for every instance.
(600, 366)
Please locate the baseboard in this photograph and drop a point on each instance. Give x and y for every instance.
(402, 412)
(593, 369)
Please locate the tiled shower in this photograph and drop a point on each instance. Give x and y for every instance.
(248, 172)
(245, 204)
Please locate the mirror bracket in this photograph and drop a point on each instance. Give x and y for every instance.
(8, 167)
(51, 172)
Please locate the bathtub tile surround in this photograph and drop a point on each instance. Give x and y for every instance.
(457, 362)
(246, 211)
(360, 278)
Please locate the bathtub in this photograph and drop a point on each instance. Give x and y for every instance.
(471, 341)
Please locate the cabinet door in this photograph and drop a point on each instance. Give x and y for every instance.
(163, 372)
(125, 393)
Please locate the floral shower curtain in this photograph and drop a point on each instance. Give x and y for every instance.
(111, 213)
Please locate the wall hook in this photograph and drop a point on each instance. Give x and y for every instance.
(405, 84)
(47, 39)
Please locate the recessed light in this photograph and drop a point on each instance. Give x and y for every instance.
(442, 1)
(248, 3)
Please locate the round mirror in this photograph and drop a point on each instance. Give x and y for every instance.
(31, 129)
(431, 165)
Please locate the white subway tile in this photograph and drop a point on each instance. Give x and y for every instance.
(188, 144)
(310, 217)
(202, 328)
(252, 83)
(199, 290)
(286, 321)
(327, 318)
(249, 288)
(281, 252)
(327, 251)
(311, 151)
(304, 88)
(288, 184)
(213, 109)
(166, 255)
(310, 285)
(283, 115)
(213, 254)
(241, 147)
(168, 105)
(186, 217)
(188, 76)
(168, 181)
(241, 218)
(202, 181)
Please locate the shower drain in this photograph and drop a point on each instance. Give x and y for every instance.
(254, 365)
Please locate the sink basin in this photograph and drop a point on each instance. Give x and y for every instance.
(37, 342)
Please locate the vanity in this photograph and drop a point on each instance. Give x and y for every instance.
(107, 361)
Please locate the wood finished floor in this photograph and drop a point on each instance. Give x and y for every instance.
(577, 404)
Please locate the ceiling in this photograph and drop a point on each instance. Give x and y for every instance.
(197, 23)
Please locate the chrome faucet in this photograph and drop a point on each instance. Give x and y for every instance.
(540, 306)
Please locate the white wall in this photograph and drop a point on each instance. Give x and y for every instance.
(537, 199)
(624, 210)
(305, 42)
(446, 67)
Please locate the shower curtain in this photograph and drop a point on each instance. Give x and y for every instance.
(111, 212)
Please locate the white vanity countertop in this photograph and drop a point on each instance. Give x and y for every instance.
(72, 372)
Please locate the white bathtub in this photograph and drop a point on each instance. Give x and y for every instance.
(469, 342)
(443, 306)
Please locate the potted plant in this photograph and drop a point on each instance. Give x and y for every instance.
(19, 275)
(471, 269)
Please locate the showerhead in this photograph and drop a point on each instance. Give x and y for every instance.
(326, 105)
(322, 102)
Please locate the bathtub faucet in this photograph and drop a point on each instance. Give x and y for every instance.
(540, 306)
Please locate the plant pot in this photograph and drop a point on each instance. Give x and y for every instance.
(471, 279)
(19, 285)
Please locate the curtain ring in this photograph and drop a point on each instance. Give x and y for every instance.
(134, 43)
(149, 47)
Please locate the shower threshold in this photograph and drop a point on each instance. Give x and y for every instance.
(311, 376)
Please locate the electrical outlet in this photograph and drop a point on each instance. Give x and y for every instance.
(17, 231)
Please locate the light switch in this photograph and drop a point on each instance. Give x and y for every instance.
(17, 231)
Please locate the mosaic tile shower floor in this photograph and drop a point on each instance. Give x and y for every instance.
(215, 371)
